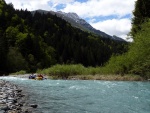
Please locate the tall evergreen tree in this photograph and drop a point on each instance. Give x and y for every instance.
(3, 53)
(40, 40)
(141, 14)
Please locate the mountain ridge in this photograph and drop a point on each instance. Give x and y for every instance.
(80, 23)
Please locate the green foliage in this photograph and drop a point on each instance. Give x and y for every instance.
(1, 6)
(3, 53)
(140, 51)
(41, 40)
(141, 14)
(137, 59)
(15, 20)
(2, 2)
(15, 60)
(64, 71)
(117, 65)
(78, 71)
(11, 35)
(19, 72)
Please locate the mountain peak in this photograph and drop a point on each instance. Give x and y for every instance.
(71, 15)
(80, 23)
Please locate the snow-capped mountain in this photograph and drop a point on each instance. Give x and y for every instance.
(80, 23)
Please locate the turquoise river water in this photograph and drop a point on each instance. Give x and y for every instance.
(79, 96)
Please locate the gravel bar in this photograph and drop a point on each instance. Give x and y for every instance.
(12, 99)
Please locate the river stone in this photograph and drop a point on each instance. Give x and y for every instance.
(12, 100)
(33, 105)
(2, 101)
(27, 109)
(4, 107)
(3, 96)
(18, 90)
(12, 106)
(13, 111)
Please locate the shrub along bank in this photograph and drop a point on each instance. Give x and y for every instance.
(78, 71)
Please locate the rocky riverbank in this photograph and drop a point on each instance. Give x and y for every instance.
(12, 100)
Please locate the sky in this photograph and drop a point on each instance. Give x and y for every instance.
(110, 16)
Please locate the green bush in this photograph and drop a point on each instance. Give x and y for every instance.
(19, 72)
(137, 59)
(63, 71)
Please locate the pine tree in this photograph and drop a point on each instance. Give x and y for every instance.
(3, 53)
(141, 14)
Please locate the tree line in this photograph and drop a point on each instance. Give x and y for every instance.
(31, 41)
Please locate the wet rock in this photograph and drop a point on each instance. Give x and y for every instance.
(4, 107)
(11, 99)
(18, 90)
(33, 105)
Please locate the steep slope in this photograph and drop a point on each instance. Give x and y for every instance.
(80, 23)
(33, 40)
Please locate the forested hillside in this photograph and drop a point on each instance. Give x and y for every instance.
(36, 41)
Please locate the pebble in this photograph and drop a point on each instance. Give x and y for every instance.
(12, 100)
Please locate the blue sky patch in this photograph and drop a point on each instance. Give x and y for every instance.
(127, 16)
(60, 6)
(101, 18)
(50, 4)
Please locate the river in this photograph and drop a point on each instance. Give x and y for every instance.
(79, 96)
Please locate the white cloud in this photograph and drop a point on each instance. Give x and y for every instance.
(118, 27)
(89, 9)
(37, 4)
(93, 8)
(61, 1)
(30, 4)
(101, 8)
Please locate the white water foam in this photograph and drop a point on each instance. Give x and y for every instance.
(12, 78)
(78, 87)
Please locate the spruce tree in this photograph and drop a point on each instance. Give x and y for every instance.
(141, 14)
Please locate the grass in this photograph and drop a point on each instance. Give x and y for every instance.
(78, 71)
(19, 73)
(63, 71)
(107, 77)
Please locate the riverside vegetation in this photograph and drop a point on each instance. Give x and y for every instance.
(47, 44)
(76, 72)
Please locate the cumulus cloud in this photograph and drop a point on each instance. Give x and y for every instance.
(30, 4)
(118, 27)
(90, 10)
(93, 8)
(37, 4)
